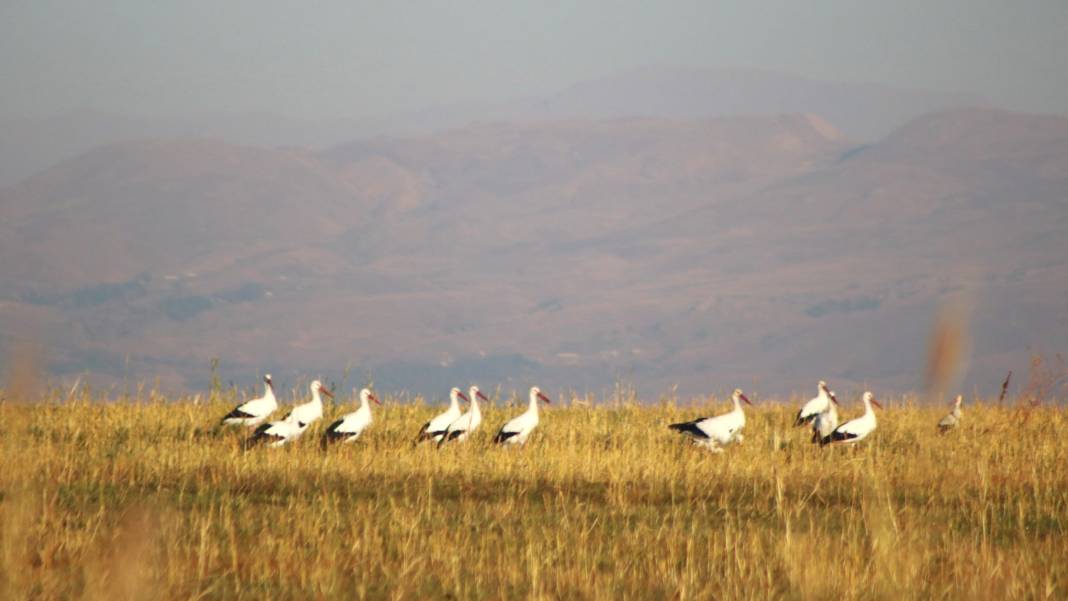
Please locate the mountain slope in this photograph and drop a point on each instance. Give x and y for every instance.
(862, 111)
(761, 251)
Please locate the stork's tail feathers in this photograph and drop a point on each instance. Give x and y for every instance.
(689, 428)
(259, 435)
(423, 435)
(503, 436)
(331, 435)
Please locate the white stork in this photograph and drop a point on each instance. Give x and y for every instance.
(435, 428)
(463, 426)
(827, 421)
(952, 419)
(252, 413)
(856, 429)
(518, 429)
(716, 432)
(815, 406)
(349, 427)
(293, 425)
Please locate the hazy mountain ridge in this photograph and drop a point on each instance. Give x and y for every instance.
(757, 251)
(862, 111)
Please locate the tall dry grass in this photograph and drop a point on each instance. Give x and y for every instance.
(145, 499)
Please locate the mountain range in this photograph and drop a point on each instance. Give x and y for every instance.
(758, 251)
(862, 111)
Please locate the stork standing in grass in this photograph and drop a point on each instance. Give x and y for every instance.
(827, 421)
(435, 428)
(855, 430)
(293, 425)
(518, 429)
(952, 419)
(254, 412)
(351, 425)
(467, 423)
(717, 432)
(815, 406)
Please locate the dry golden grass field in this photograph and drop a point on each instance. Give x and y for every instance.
(147, 499)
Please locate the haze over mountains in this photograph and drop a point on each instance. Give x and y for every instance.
(763, 251)
(863, 112)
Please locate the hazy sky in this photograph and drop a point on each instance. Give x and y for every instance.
(344, 58)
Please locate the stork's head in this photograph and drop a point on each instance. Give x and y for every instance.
(317, 386)
(960, 399)
(823, 387)
(456, 394)
(870, 398)
(475, 393)
(535, 395)
(367, 395)
(738, 395)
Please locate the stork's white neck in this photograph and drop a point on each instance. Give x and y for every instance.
(737, 403)
(475, 410)
(533, 402)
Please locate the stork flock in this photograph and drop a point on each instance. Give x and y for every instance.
(454, 425)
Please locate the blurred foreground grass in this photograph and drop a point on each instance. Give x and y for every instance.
(147, 499)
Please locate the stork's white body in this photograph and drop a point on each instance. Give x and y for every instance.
(518, 429)
(461, 429)
(349, 427)
(292, 426)
(276, 434)
(825, 422)
(435, 428)
(815, 406)
(306, 413)
(256, 411)
(952, 419)
(855, 430)
(716, 432)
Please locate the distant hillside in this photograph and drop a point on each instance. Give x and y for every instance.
(862, 111)
(764, 252)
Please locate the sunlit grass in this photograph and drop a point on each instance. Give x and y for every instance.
(147, 499)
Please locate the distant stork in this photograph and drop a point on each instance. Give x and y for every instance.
(293, 425)
(252, 413)
(717, 432)
(435, 428)
(827, 421)
(467, 423)
(856, 429)
(952, 419)
(518, 429)
(815, 406)
(351, 425)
